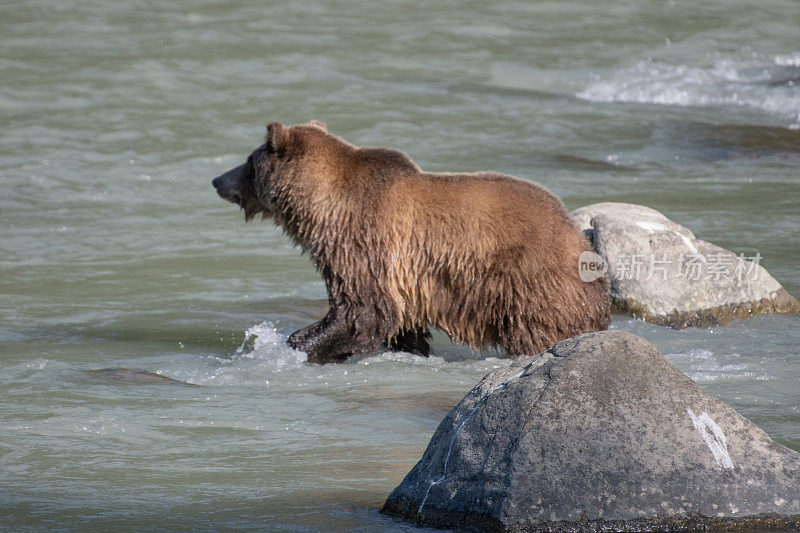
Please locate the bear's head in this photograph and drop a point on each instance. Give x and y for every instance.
(251, 185)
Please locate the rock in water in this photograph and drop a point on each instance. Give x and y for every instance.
(132, 376)
(661, 273)
(599, 432)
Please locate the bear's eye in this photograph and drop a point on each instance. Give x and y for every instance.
(258, 158)
(255, 164)
(252, 164)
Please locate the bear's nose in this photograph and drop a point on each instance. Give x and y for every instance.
(216, 182)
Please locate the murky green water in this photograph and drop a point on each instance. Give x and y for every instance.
(117, 254)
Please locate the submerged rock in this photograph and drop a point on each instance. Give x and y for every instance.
(662, 273)
(600, 432)
(132, 376)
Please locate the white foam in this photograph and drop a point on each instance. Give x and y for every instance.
(706, 367)
(483, 365)
(726, 82)
(402, 357)
(787, 60)
(264, 357)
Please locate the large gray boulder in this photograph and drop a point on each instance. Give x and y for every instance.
(662, 273)
(599, 432)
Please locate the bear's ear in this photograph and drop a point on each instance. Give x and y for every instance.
(318, 124)
(276, 136)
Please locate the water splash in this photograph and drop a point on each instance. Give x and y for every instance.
(765, 85)
(704, 366)
(788, 60)
(263, 353)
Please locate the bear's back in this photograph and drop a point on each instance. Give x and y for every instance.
(485, 209)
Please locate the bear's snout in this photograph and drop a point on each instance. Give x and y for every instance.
(229, 185)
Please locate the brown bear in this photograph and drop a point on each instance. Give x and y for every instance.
(489, 259)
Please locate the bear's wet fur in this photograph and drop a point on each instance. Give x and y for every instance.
(489, 259)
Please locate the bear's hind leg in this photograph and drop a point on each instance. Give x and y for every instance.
(412, 341)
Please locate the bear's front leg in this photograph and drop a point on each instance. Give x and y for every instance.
(339, 335)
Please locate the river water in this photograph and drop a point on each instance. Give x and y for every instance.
(144, 376)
